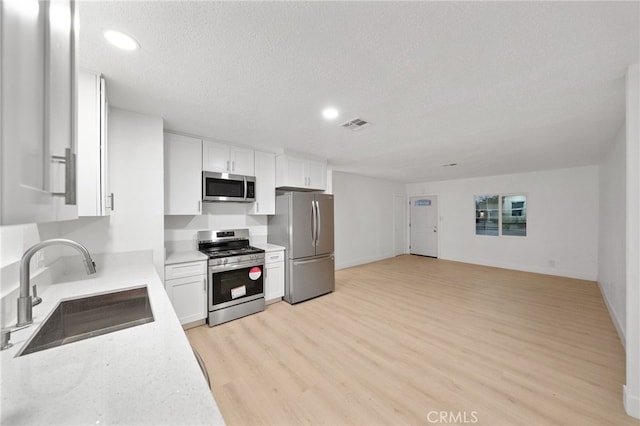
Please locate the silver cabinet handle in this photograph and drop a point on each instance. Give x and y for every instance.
(257, 207)
(233, 166)
(69, 161)
(111, 205)
(228, 166)
(199, 206)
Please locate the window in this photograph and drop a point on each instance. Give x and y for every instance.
(487, 214)
(501, 215)
(514, 215)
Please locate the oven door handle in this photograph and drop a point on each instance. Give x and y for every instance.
(224, 268)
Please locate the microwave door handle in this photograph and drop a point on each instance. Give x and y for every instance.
(245, 187)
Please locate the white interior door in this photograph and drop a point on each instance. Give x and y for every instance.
(424, 225)
(399, 224)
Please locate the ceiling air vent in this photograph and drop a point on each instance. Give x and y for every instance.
(356, 124)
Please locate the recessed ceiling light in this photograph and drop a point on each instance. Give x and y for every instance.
(121, 40)
(330, 113)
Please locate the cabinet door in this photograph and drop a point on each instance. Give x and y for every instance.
(61, 88)
(107, 197)
(34, 147)
(316, 175)
(88, 144)
(188, 297)
(183, 270)
(242, 161)
(274, 283)
(265, 184)
(215, 157)
(182, 176)
(290, 172)
(94, 198)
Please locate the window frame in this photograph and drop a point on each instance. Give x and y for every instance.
(500, 210)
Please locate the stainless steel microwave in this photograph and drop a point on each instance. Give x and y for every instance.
(227, 187)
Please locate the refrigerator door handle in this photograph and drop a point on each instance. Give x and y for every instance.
(318, 222)
(303, 262)
(314, 222)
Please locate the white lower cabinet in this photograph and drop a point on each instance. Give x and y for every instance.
(186, 285)
(274, 278)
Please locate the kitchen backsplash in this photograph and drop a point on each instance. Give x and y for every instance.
(180, 231)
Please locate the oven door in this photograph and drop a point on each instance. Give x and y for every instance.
(233, 284)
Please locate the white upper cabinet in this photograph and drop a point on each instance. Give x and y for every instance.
(223, 158)
(316, 175)
(94, 198)
(38, 111)
(294, 172)
(215, 157)
(182, 175)
(265, 184)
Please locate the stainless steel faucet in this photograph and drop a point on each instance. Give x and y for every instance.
(25, 301)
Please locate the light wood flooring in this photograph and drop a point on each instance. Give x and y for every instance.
(409, 339)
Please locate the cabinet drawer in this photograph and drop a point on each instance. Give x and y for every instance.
(180, 270)
(274, 256)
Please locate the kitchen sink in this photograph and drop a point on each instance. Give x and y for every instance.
(86, 317)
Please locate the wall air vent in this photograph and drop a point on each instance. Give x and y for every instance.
(356, 124)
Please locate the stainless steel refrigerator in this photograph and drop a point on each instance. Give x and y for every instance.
(303, 224)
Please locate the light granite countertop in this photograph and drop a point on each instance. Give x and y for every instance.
(184, 256)
(268, 247)
(145, 374)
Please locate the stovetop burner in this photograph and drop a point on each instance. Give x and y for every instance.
(233, 243)
(216, 253)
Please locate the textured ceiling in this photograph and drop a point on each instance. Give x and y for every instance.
(496, 87)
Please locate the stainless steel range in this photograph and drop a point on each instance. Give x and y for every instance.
(236, 274)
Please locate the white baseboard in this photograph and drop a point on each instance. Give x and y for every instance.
(631, 403)
(614, 317)
(362, 261)
(525, 268)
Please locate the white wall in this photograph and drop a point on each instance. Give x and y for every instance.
(613, 231)
(180, 231)
(136, 170)
(14, 241)
(364, 213)
(562, 221)
(632, 388)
